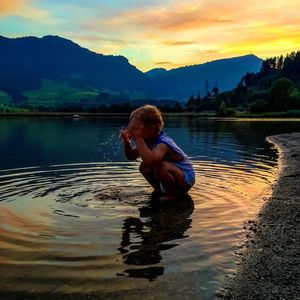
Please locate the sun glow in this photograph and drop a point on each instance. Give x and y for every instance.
(166, 33)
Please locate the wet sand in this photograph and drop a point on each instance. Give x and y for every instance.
(269, 268)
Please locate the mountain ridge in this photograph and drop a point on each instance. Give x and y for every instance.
(26, 61)
(225, 73)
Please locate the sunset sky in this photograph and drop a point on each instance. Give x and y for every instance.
(161, 33)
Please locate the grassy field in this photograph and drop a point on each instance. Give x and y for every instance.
(284, 114)
(53, 93)
(4, 98)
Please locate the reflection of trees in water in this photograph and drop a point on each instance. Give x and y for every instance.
(250, 134)
(157, 224)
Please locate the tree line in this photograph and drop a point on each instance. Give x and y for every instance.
(275, 88)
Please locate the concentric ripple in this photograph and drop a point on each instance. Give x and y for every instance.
(80, 222)
(92, 227)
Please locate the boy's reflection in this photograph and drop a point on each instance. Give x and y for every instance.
(157, 225)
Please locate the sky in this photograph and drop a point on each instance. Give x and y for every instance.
(161, 33)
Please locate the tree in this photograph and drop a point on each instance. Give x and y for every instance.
(216, 91)
(191, 104)
(222, 109)
(280, 62)
(280, 92)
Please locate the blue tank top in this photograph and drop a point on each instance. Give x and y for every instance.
(185, 164)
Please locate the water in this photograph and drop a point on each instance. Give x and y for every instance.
(77, 218)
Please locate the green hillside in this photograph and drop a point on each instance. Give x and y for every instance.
(5, 98)
(273, 91)
(55, 93)
(275, 88)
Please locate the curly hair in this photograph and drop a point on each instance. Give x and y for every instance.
(149, 115)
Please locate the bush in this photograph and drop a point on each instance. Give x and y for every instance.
(231, 112)
(280, 93)
(293, 113)
(293, 101)
(222, 110)
(259, 106)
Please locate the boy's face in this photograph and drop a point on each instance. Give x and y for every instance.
(136, 128)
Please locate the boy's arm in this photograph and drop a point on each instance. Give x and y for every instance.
(150, 157)
(130, 153)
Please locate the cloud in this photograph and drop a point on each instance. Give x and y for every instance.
(205, 52)
(177, 43)
(192, 32)
(7, 6)
(23, 8)
(91, 38)
(165, 31)
(176, 17)
(164, 63)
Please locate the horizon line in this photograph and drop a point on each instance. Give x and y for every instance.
(153, 68)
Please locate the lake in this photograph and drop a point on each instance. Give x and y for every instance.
(78, 219)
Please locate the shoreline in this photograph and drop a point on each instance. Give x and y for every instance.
(203, 115)
(269, 268)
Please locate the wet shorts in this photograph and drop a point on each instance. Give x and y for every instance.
(188, 171)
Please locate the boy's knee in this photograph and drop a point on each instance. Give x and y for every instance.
(145, 169)
(161, 169)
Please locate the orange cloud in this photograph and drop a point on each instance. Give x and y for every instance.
(7, 6)
(177, 43)
(186, 32)
(163, 63)
(177, 17)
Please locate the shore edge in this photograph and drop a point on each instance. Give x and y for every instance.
(269, 268)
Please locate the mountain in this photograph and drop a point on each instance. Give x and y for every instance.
(24, 62)
(157, 72)
(38, 71)
(186, 81)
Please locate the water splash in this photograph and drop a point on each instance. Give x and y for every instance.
(110, 148)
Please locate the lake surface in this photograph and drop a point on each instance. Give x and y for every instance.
(77, 218)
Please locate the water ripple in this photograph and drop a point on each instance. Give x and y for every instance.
(99, 219)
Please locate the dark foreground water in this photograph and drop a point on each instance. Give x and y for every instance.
(78, 219)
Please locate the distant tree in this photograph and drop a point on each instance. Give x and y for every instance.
(215, 90)
(206, 87)
(178, 107)
(275, 88)
(294, 99)
(265, 67)
(191, 104)
(280, 62)
(291, 66)
(222, 109)
(102, 108)
(280, 92)
(259, 106)
(198, 99)
(92, 110)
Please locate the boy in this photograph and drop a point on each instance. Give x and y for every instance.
(164, 165)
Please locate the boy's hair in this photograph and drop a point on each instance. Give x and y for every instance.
(149, 115)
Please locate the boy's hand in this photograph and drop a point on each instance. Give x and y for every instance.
(124, 135)
(137, 133)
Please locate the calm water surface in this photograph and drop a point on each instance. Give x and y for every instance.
(77, 218)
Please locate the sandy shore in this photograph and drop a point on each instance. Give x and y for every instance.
(269, 268)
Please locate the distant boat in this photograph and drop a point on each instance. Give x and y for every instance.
(76, 117)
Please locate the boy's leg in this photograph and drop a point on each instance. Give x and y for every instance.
(148, 173)
(172, 178)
